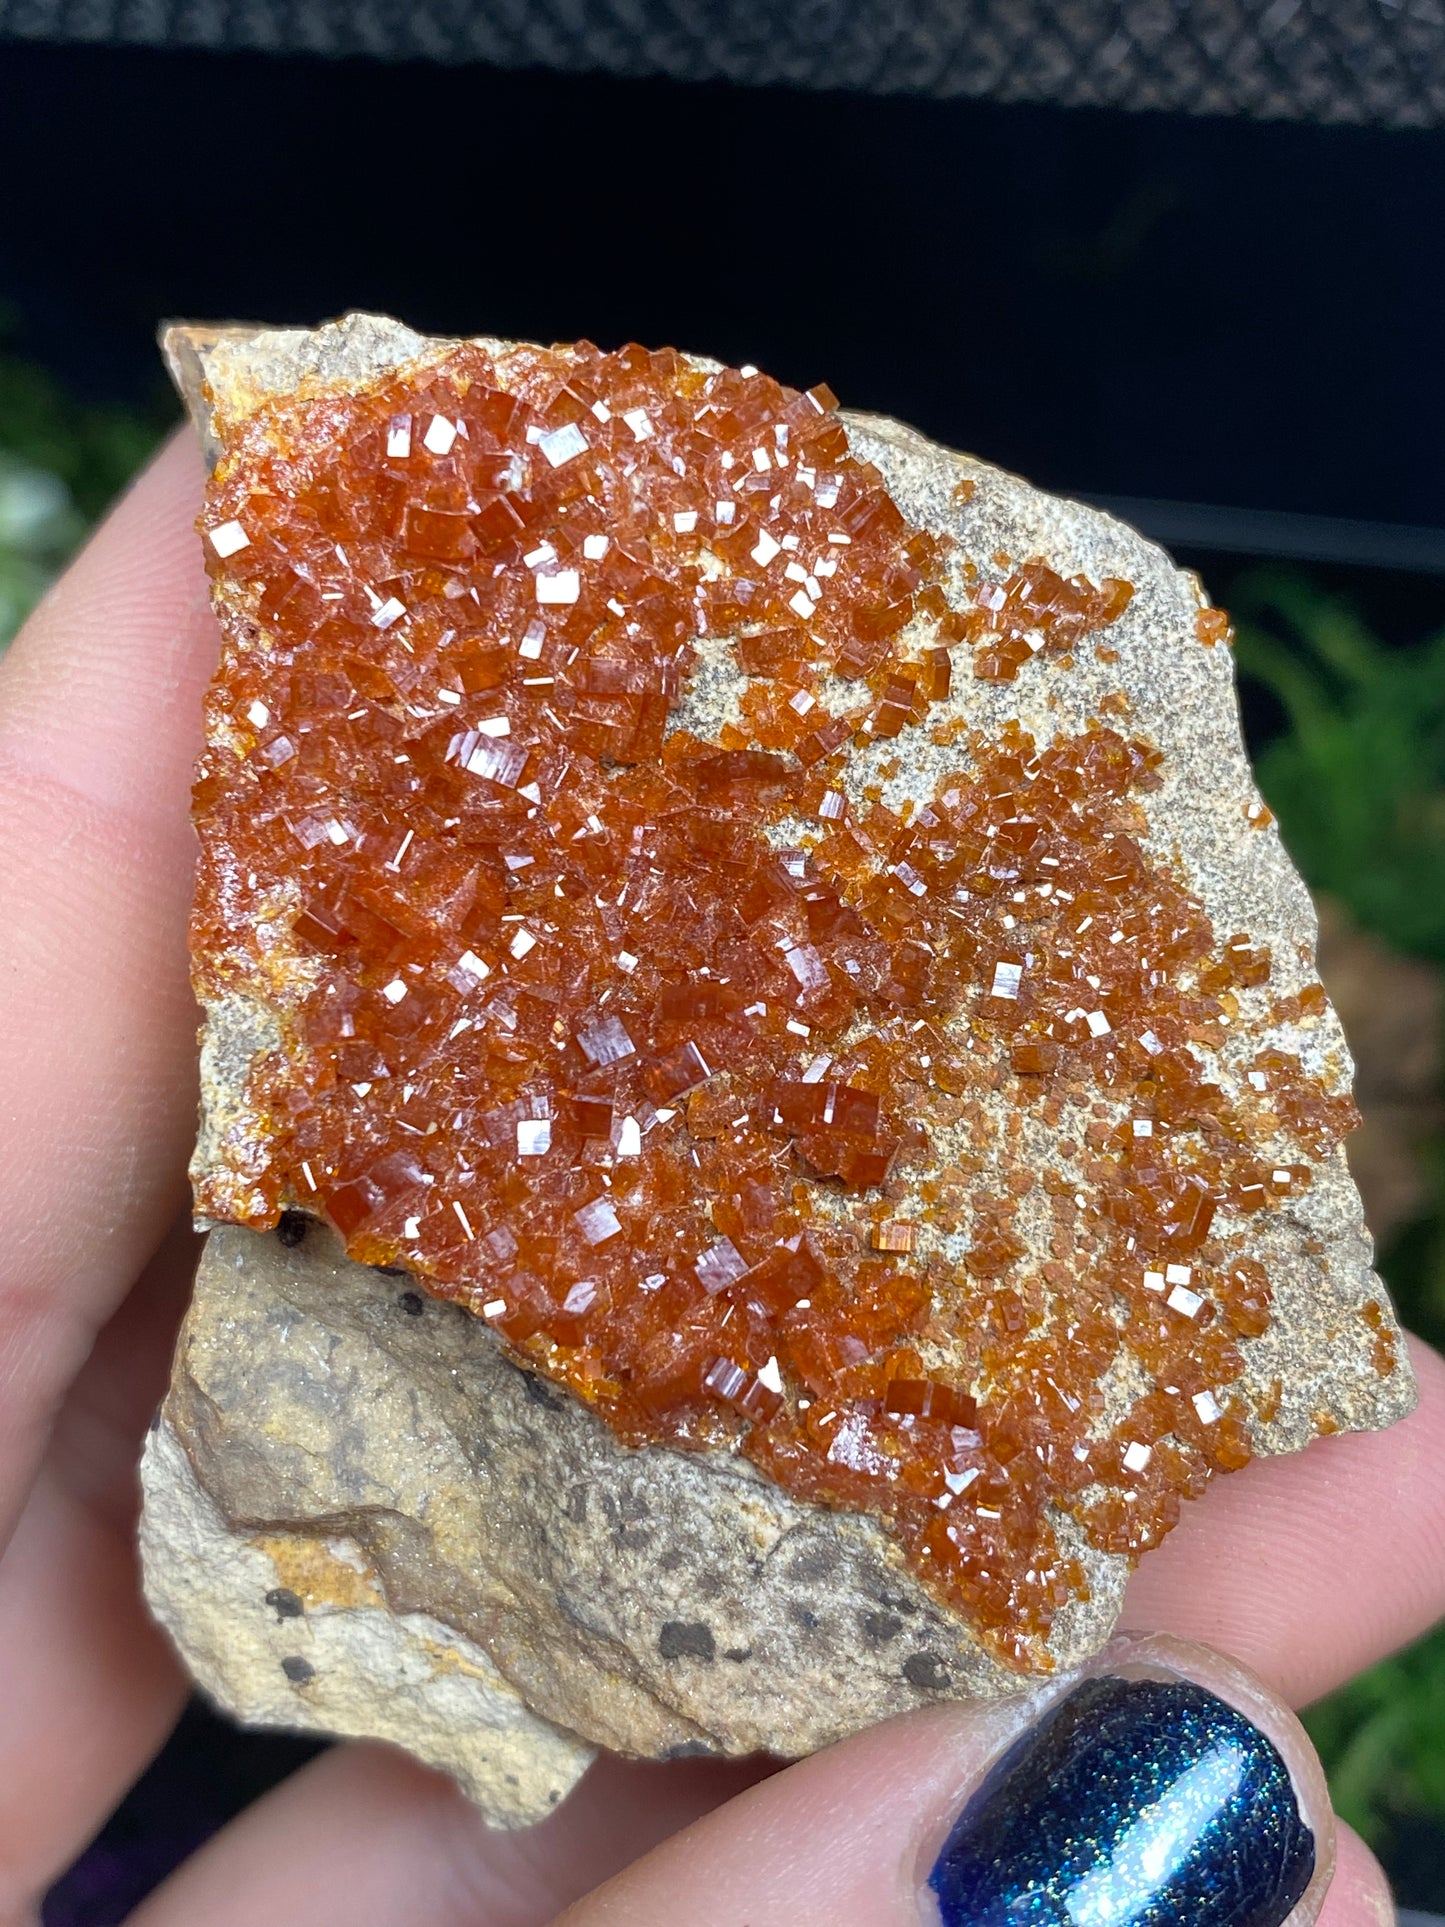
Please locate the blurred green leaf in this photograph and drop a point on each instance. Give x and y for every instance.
(61, 463)
(1357, 781)
(1358, 778)
(94, 451)
(1382, 1739)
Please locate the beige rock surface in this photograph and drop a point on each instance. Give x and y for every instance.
(292, 1629)
(653, 1601)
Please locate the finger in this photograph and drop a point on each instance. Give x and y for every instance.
(88, 1685)
(100, 700)
(845, 1839)
(1134, 1797)
(91, 1690)
(1355, 1526)
(1359, 1894)
(365, 1836)
(1388, 1477)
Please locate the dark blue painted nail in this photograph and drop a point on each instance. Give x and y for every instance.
(1134, 1803)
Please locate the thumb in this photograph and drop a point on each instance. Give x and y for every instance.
(1165, 1784)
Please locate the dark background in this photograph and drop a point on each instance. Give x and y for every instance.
(1219, 311)
(1222, 311)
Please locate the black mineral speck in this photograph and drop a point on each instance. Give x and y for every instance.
(879, 1628)
(686, 1639)
(738, 1654)
(297, 1670)
(284, 1603)
(412, 1303)
(541, 1393)
(926, 1670)
(292, 1229)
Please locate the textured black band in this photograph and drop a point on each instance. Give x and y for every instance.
(1365, 61)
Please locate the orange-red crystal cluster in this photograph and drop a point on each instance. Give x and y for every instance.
(869, 1140)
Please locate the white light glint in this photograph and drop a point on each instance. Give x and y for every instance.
(1121, 1885)
(563, 444)
(1184, 1301)
(229, 539)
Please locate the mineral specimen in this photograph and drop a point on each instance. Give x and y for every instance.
(769, 918)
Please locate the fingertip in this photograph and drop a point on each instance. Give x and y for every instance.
(1359, 1895)
(1312, 1566)
(101, 690)
(100, 722)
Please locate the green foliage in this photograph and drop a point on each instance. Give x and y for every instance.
(1382, 1739)
(61, 462)
(1357, 781)
(1358, 778)
(39, 526)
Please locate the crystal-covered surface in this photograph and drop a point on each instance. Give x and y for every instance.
(635, 1027)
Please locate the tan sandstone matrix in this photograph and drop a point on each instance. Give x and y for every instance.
(769, 921)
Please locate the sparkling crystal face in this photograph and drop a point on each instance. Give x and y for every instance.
(618, 1010)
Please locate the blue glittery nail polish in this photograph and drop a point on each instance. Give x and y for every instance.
(1134, 1803)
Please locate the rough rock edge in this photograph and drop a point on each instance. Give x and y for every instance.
(653, 1601)
(1317, 1345)
(325, 1653)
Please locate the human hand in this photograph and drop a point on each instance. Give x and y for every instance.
(1307, 1568)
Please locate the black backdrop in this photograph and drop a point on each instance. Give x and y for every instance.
(1212, 310)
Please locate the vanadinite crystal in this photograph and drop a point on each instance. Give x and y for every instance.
(544, 805)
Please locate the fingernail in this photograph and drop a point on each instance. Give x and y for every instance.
(1133, 1803)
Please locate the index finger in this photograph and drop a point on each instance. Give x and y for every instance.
(100, 710)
